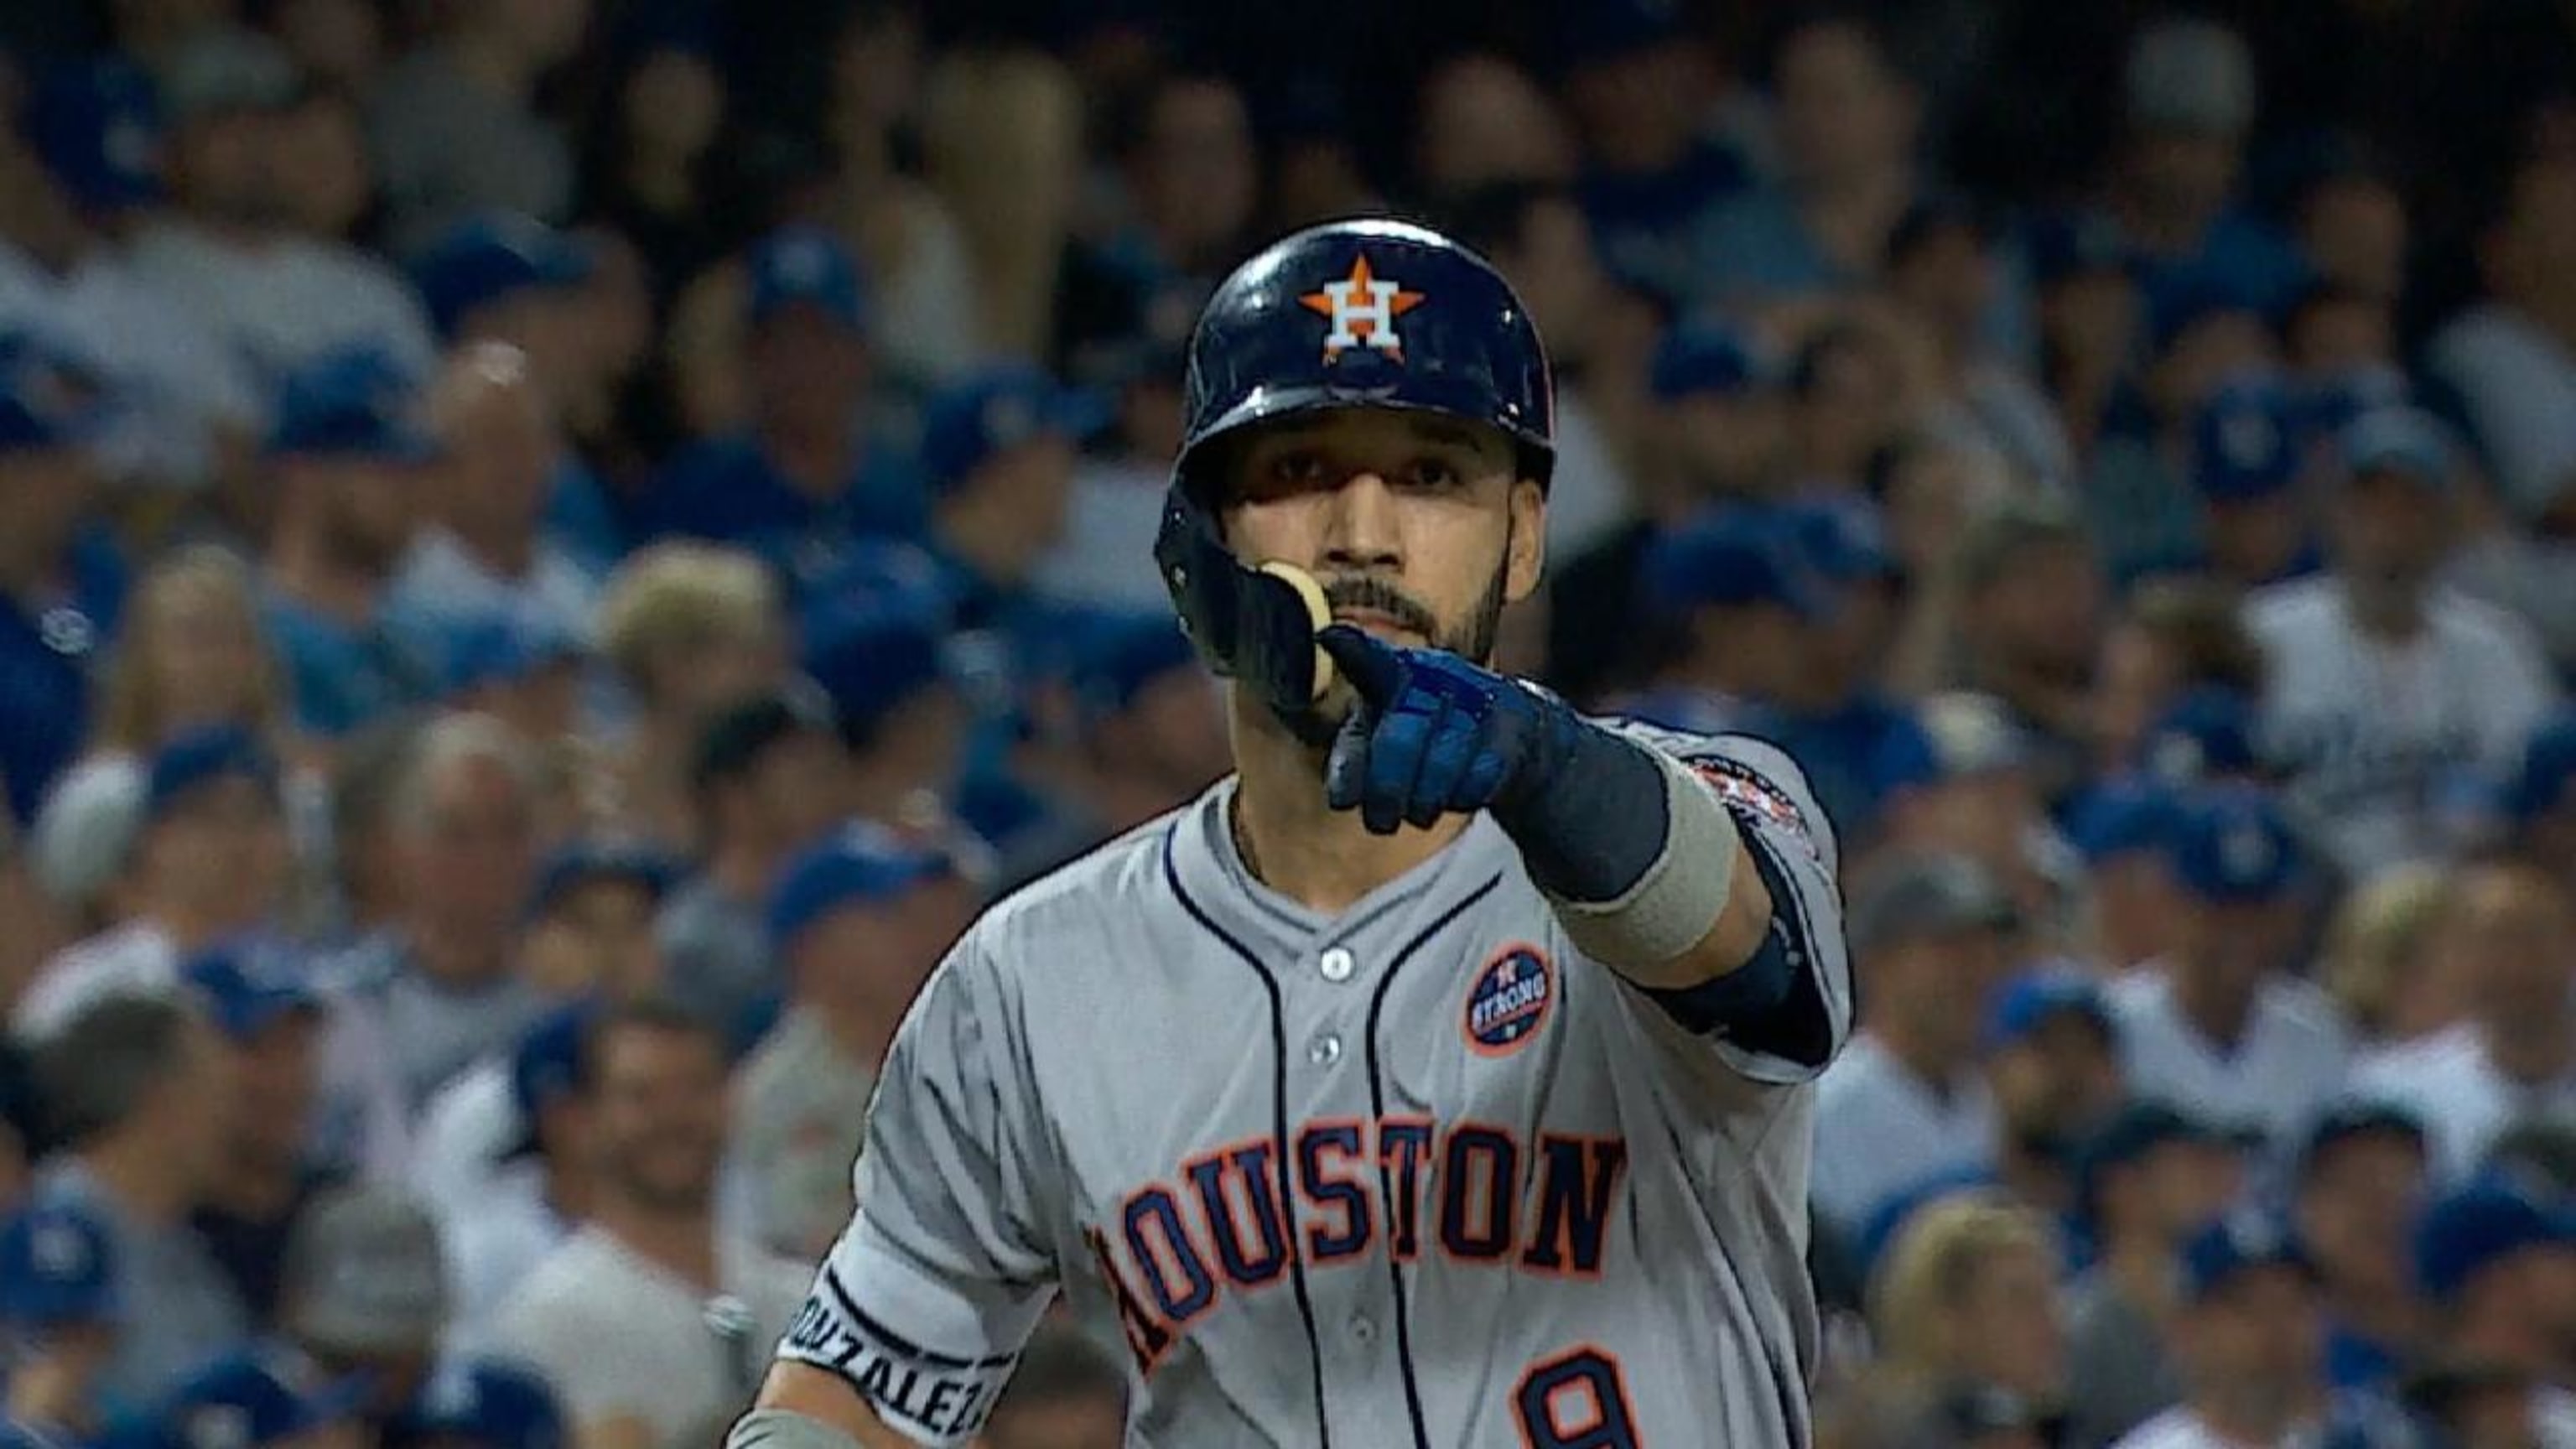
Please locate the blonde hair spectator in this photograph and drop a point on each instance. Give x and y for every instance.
(1966, 1296)
(689, 628)
(1002, 139)
(2377, 962)
(193, 654)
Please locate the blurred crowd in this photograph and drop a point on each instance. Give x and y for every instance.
(554, 552)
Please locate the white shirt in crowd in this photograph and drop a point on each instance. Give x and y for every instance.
(2519, 385)
(2376, 737)
(620, 1338)
(2451, 1085)
(2291, 1059)
(1882, 1131)
(441, 583)
(496, 1247)
(285, 301)
(175, 386)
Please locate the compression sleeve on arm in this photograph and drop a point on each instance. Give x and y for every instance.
(1634, 855)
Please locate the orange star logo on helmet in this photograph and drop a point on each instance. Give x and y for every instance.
(1363, 310)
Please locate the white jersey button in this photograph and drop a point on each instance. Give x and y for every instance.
(1325, 1050)
(1336, 964)
(1364, 1329)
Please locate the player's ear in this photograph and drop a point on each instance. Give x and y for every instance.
(1525, 551)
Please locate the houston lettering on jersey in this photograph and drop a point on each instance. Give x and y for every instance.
(1470, 1191)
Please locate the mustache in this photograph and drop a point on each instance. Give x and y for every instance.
(1367, 591)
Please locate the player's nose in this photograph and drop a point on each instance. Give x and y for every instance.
(1360, 529)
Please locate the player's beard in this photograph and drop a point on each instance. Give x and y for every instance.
(1472, 638)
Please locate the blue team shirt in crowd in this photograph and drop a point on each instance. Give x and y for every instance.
(343, 677)
(49, 645)
(727, 489)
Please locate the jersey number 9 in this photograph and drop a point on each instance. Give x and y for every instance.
(1576, 1401)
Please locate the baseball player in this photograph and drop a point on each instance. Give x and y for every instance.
(1440, 1078)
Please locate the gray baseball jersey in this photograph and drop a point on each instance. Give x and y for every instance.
(1416, 1174)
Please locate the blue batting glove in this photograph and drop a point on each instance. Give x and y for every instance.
(1430, 735)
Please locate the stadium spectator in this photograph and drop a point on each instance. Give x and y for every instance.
(2189, 96)
(501, 1216)
(904, 716)
(1064, 1395)
(1002, 141)
(997, 449)
(2256, 524)
(2053, 1066)
(2090, 318)
(60, 588)
(2222, 1027)
(269, 1169)
(365, 1294)
(442, 986)
(2145, 1183)
(618, 1318)
(59, 1314)
(486, 552)
(1744, 605)
(2495, 1261)
(2351, 224)
(769, 775)
(209, 860)
(1907, 1103)
(2120, 832)
(688, 630)
(2031, 601)
(1187, 177)
(1479, 119)
(86, 161)
(1955, 774)
(227, 252)
(1150, 724)
(2511, 357)
(648, 171)
(1944, 270)
(1717, 435)
(900, 230)
(2167, 637)
(456, 126)
(326, 182)
(1965, 1303)
(807, 475)
(1638, 87)
(192, 656)
(856, 922)
(1847, 129)
(508, 278)
(480, 1405)
(141, 1090)
(587, 939)
(1119, 484)
(2359, 1185)
(2386, 690)
(350, 465)
(2379, 964)
(2501, 940)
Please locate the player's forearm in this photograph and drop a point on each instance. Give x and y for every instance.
(804, 1407)
(1644, 868)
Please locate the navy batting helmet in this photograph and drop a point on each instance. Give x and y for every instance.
(1377, 314)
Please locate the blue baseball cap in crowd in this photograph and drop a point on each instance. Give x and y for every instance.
(545, 1066)
(2123, 815)
(2244, 443)
(2137, 1129)
(1843, 538)
(806, 266)
(354, 403)
(1119, 655)
(57, 1265)
(2069, 244)
(98, 130)
(49, 397)
(2238, 1244)
(2492, 1219)
(855, 865)
(1698, 358)
(246, 1400)
(2407, 441)
(2233, 846)
(970, 423)
(482, 1404)
(1733, 557)
(2057, 990)
(580, 862)
(200, 757)
(245, 991)
(2353, 1119)
(488, 259)
(2538, 784)
(2206, 734)
(871, 656)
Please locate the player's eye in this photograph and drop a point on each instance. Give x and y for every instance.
(1297, 469)
(1434, 475)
